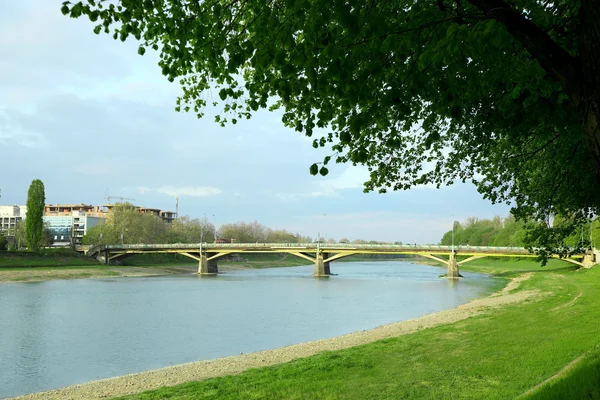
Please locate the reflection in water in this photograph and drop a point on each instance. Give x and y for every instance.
(58, 333)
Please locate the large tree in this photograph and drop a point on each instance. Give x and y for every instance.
(36, 200)
(505, 93)
(125, 224)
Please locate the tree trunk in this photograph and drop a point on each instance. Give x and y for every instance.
(589, 105)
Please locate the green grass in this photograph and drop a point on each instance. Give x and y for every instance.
(581, 382)
(45, 258)
(509, 266)
(497, 355)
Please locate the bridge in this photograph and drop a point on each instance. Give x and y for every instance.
(321, 255)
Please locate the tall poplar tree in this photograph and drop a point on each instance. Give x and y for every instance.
(36, 199)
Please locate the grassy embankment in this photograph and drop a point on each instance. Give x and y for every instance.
(502, 353)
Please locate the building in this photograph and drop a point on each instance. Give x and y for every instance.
(10, 216)
(68, 209)
(167, 216)
(68, 223)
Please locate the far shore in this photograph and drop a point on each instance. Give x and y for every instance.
(39, 274)
(200, 370)
(47, 273)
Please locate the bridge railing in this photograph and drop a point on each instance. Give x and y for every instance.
(322, 246)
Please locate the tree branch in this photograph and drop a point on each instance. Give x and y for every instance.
(552, 57)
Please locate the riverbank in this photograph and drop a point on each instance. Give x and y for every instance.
(495, 347)
(27, 267)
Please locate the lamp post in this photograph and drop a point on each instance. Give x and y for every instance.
(201, 232)
(453, 237)
(592, 234)
(215, 230)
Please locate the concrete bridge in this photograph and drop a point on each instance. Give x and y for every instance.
(321, 255)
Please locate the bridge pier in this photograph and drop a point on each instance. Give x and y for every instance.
(321, 267)
(206, 266)
(453, 272)
(589, 259)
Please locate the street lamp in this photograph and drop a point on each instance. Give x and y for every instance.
(452, 237)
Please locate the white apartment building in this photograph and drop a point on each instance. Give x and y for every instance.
(10, 216)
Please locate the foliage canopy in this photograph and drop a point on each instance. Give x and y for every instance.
(505, 93)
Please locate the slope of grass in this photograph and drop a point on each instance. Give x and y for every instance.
(582, 381)
(509, 266)
(499, 354)
(44, 258)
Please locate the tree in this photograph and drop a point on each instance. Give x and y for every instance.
(244, 232)
(484, 232)
(125, 224)
(21, 235)
(36, 201)
(503, 93)
(3, 242)
(186, 230)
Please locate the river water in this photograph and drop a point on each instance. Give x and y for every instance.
(59, 333)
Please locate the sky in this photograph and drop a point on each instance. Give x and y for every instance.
(91, 118)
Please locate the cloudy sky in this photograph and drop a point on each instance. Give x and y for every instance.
(88, 116)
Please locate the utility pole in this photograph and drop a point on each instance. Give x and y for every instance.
(177, 206)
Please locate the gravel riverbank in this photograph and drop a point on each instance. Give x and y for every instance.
(169, 376)
(47, 274)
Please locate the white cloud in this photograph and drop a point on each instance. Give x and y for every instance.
(351, 178)
(194, 191)
(143, 189)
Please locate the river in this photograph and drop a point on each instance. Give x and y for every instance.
(59, 333)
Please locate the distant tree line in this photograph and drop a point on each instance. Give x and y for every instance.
(485, 232)
(511, 232)
(125, 224)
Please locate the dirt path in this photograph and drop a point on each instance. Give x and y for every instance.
(169, 376)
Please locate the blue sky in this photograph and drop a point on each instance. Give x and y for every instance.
(86, 114)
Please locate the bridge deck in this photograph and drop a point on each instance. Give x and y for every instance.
(315, 247)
